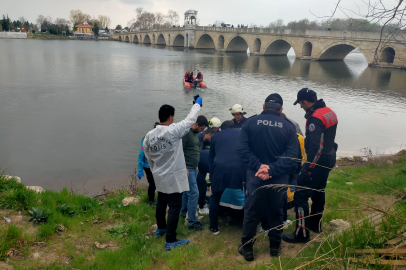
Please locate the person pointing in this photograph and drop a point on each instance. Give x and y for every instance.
(163, 149)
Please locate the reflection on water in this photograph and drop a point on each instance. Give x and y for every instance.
(74, 112)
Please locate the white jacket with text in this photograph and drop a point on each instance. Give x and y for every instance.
(164, 151)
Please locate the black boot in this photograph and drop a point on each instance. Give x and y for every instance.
(247, 252)
(300, 237)
(275, 248)
(315, 224)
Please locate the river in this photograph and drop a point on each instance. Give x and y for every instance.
(73, 113)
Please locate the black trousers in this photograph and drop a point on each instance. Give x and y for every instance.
(174, 201)
(202, 186)
(318, 181)
(151, 182)
(214, 208)
(265, 205)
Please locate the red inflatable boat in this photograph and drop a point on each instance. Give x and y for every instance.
(188, 84)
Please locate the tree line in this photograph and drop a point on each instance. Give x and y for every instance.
(349, 24)
(7, 25)
(56, 26)
(145, 19)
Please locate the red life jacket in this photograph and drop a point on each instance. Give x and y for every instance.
(187, 75)
(200, 75)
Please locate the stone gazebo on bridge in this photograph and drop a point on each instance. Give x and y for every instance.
(307, 44)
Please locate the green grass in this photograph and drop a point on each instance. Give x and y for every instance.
(127, 229)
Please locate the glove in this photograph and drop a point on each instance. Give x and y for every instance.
(140, 174)
(198, 100)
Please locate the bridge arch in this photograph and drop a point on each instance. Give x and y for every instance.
(220, 43)
(161, 40)
(278, 47)
(237, 44)
(257, 45)
(205, 41)
(127, 39)
(387, 55)
(147, 40)
(339, 50)
(119, 38)
(179, 41)
(307, 49)
(136, 40)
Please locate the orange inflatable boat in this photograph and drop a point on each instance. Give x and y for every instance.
(188, 84)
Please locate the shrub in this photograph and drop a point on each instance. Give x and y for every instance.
(39, 215)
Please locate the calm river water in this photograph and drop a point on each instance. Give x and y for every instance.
(73, 113)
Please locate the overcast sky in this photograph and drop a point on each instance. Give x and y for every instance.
(260, 12)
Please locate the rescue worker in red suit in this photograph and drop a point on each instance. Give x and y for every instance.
(188, 77)
(321, 127)
(199, 78)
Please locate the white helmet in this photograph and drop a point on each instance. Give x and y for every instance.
(214, 122)
(237, 108)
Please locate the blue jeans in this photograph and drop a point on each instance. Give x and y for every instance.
(190, 198)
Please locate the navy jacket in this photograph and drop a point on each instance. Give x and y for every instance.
(204, 161)
(203, 145)
(239, 125)
(226, 167)
(265, 138)
(321, 127)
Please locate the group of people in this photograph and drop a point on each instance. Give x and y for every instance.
(263, 157)
(190, 78)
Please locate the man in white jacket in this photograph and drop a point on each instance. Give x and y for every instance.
(163, 149)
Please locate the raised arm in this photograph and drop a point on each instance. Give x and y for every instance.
(180, 129)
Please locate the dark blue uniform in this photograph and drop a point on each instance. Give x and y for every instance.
(226, 169)
(265, 138)
(201, 176)
(240, 124)
(204, 144)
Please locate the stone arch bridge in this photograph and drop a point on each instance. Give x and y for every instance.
(307, 44)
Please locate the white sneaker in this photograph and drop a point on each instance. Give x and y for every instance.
(204, 210)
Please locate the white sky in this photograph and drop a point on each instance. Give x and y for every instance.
(235, 12)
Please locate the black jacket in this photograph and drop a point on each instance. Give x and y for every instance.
(321, 127)
(226, 167)
(264, 139)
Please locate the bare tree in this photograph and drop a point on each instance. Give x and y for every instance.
(104, 21)
(278, 24)
(173, 17)
(78, 17)
(40, 20)
(145, 19)
(389, 19)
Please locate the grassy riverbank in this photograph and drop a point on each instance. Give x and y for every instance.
(46, 36)
(75, 222)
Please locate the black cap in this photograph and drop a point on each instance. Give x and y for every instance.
(274, 98)
(305, 94)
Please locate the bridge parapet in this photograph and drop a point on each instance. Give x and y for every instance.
(303, 33)
(306, 44)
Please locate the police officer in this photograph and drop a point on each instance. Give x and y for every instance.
(263, 139)
(238, 113)
(321, 126)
